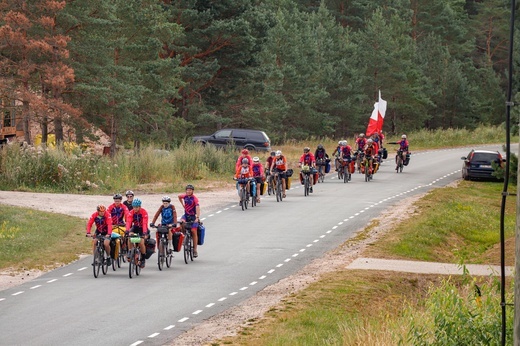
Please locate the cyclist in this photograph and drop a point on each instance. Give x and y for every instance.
(346, 152)
(168, 218)
(403, 146)
(258, 174)
(103, 222)
(370, 153)
(336, 153)
(360, 148)
(191, 206)
(243, 155)
(129, 198)
(307, 159)
(268, 164)
(243, 176)
(119, 213)
(322, 158)
(375, 139)
(279, 167)
(137, 223)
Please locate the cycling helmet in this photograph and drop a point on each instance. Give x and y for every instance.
(101, 208)
(273, 153)
(370, 140)
(278, 153)
(189, 186)
(361, 135)
(118, 196)
(246, 161)
(245, 152)
(320, 146)
(306, 149)
(344, 143)
(166, 199)
(339, 143)
(403, 136)
(136, 202)
(256, 159)
(129, 193)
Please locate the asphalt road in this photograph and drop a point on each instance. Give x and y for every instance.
(244, 252)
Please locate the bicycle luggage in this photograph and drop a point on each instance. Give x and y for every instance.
(327, 167)
(177, 240)
(385, 154)
(201, 233)
(288, 183)
(150, 247)
(352, 167)
(407, 160)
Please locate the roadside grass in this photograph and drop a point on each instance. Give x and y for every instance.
(31, 239)
(354, 307)
(453, 224)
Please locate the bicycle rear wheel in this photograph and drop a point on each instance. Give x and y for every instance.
(191, 248)
(243, 198)
(366, 171)
(278, 190)
(306, 186)
(345, 174)
(96, 263)
(187, 245)
(137, 262)
(169, 258)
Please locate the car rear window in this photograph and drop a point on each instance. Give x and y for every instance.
(240, 134)
(485, 157)
(257, 136)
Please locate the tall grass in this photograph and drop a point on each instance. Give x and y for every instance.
(37, 169)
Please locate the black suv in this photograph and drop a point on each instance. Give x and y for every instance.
(240, 138)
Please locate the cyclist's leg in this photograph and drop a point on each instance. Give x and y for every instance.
(195, 237)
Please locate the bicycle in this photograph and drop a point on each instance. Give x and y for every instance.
(321, 163)
(279, 187)
(118, 235)
(368, 169)
(306, 171)
(134, 255)
(359, 159)
(100, 260)
(345, 168)
(399, 162)
(243, 193)
(339, 167)
(164, 256)
(188, 242)
(255, 193)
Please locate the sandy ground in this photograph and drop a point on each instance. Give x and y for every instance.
(229, 322)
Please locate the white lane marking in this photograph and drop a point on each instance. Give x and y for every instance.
(340, 223)
(315, 240)
(279, 265)
(262, 277)
(244, 288)
(210, 305)
(253, 283)
(334, 227)
(295, 255)
(302, 250)
(345, 220)
(32, 288)
(69, 274)
(270, 271)
(17, 293)
(287, 260)
(137, 343)
(80, 269)
(169, 327)
(222, 299)
(309, 245)
(153, 335)
(329, 231)
(184, 319)
(196, 312)
(233, 293)
(220, 211)
(2, 299)
(210, 215)
(322, 236)
(50, 281)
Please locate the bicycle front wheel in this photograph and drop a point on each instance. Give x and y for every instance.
(306, 186)
(243, 198)
(104, 266)
(96, 263)
(169, 258)
(345, 174)
(131, 263)
(161, 256)
(137, 262)
(187, 246)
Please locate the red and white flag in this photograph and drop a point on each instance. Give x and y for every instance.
(375, 123)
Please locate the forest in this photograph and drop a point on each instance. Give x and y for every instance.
(151, 71)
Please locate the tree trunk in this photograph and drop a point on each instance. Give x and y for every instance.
(113, 137)
(45, 129)
(25, 122)
(58, 130)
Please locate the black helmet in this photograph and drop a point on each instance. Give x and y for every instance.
(166, 199)
(129, 193)
(189, 186)
(320, 146)
(118, 196)
(273, 153)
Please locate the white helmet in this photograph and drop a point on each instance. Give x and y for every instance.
(344, 142)
(339, 142)
(361, 135)
(256, 159)
(403, 136)
(278, 153)
(369, 140)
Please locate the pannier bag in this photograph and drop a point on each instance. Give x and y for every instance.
(288, 183)
(150, 247)
(263, 189)
(327, 167)
(177, 240)
(352, 167)
(289, 173)
(201, 233)
(407, 160)
(385, 154)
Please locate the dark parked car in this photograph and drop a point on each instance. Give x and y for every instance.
(477, 165)
(239, 138)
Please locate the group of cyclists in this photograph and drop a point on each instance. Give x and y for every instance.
(368, 151)
(130, 218)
